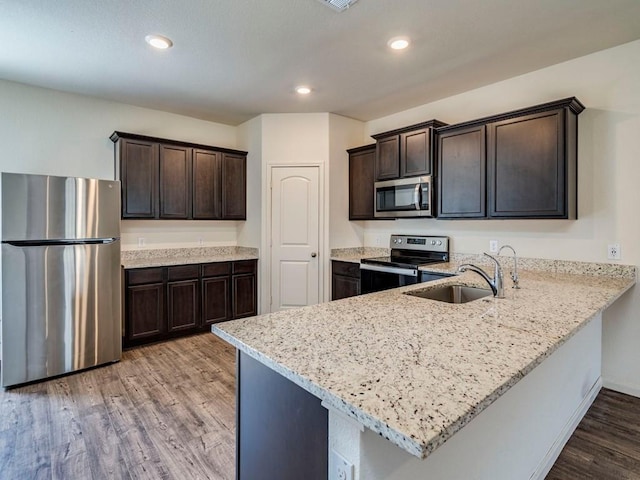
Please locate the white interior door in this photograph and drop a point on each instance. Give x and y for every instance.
(295, 233)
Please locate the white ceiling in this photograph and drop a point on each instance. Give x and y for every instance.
(235, 59)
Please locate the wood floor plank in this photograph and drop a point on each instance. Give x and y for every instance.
(65, 465)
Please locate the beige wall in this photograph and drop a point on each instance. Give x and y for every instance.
(54, 133)
(609, 171)
(344, 133)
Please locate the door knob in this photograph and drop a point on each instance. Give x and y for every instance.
(314, 254)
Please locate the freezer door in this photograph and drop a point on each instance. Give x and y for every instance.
(42, 207)
(60, 309)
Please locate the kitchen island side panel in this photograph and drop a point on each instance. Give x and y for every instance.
(282, 429)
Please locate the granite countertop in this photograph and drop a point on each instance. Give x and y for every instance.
(354, 255)
(144, 258)
(416, 370)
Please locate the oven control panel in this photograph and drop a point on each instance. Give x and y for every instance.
(420, 242)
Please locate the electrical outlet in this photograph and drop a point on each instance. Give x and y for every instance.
(141, 241)
(614, 252)
(200, 241)
(493, 246)
(342, 469)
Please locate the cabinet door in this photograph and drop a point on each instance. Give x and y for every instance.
(388, 158)
(175, 182)
(462, 173)
(215, 300)
(145, 311)
(139, 176)
(361, 180)
(206, 185)
(182, 305)
(526, 162)
(343, 287)
(345, 279)
(244, 295)
(415, 156)
(234, 187)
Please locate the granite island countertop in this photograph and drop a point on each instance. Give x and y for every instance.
(161, 257)
(414, 370)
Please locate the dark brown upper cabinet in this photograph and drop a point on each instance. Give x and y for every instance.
(139, 176)
(206, 185)
(405, 152)
(234, 186)
(462, 167)
(532, 166)
(167, 179)
(521, 164)
(175, 182)
(361, 179)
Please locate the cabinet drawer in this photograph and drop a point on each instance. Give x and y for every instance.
(141, 276)
(183, 272)
(348, 269)
(216, 269)
(244, 266)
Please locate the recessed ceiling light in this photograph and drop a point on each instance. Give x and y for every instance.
(303, 90)
(398, 43)
(158, 41)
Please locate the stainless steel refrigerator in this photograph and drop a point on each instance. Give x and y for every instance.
(60, 275)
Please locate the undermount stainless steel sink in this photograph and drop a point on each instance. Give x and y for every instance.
(452, 293)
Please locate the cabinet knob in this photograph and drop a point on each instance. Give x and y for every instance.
(314, 254)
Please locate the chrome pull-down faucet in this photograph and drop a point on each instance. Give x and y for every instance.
(514, 273)
(496, 284)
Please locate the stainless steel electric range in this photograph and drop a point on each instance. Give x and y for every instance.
(401, 267)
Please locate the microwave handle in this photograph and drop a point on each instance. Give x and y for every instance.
(416, 196)
(424, 192)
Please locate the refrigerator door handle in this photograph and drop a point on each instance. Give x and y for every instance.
(45, 243)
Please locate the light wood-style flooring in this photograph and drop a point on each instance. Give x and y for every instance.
(167, 411)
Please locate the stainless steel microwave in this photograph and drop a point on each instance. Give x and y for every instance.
(404, 197)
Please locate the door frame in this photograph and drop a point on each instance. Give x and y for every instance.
(323, 237)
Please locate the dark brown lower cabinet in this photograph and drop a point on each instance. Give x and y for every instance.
(182, 297)
(345, 279)
(282, 430)
(145, 304)
(164, 302)
(244, 289)
(216, 292)
(182, 305)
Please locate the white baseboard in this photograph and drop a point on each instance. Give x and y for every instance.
(555, 450)
(619, 387)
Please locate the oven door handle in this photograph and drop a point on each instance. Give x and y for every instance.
(410, 272)
(416, 196)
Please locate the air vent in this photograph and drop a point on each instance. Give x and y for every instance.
(339, 5)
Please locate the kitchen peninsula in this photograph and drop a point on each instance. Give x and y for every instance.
(501, 381)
